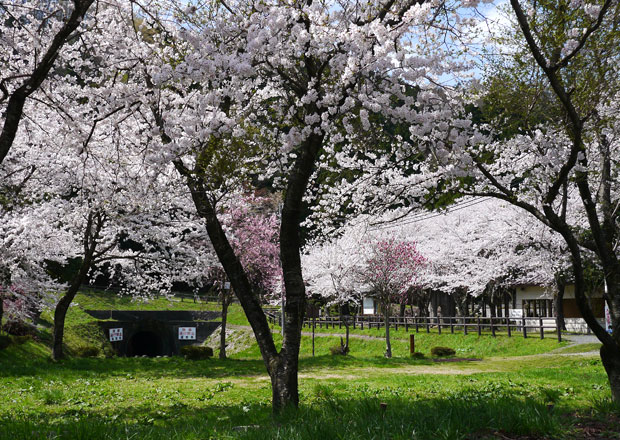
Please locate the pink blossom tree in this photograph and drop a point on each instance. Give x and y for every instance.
(391, 268)
(254, 237)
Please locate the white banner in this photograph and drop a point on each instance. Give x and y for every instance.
(607, 318)
(116, 334)
(516, 313)
(188, 333)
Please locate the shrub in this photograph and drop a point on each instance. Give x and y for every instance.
(5, 341)
(417, 355)
(339, 350)
(87, 351)
(195, 353)
(442, 351)
(19, 328)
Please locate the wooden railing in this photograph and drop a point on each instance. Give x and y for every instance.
(464, 324)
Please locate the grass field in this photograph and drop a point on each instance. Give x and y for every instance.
(517, 391)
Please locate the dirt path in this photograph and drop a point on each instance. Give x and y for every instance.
(317, 335)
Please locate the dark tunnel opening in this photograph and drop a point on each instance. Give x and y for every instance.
(145, 343)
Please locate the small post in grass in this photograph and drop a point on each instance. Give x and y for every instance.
(411, 343)
(559, 329)
(508, 327)
(428, 326)
(464, 325)
(524, 327)
(492, 327)
(479, 329)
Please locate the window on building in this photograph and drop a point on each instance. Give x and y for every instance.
(537, 308)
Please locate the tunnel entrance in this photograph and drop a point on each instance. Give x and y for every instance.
(145, 343)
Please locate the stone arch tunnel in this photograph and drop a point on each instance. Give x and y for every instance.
(155, 332)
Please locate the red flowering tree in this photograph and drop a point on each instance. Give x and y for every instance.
(254, 235)
(392, 267)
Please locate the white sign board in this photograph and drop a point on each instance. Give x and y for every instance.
(607, 318)
(516, 313)
(116, 334)
(368, 305)
(227, 285)
(188, 333)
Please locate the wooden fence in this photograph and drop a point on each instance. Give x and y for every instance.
(526, 327)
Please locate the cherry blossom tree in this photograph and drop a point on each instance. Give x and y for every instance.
(390, 269)
(36, 34)
(574, 150)
(279, 91)
(254, 237)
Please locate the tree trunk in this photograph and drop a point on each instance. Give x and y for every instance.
(284, 382)
(223, 326)
(1, 308)
(388, 345)
(559, 304)
(91, 234)
(611, 362)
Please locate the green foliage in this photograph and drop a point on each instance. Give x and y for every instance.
(195, 353)
(417, 355)
(442, 351)
(86, 351)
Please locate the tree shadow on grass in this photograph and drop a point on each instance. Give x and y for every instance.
(22, 364)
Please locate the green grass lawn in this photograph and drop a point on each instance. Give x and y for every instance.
(171, 398)
(510, 393)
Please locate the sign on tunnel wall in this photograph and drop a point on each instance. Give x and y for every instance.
(188, 333)
(116, 334)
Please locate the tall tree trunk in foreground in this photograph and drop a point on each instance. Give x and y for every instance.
(282, 366)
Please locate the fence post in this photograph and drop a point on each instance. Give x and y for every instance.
(542, 329)
(411, 344)
(464, 325)
(428, 324)
(524, 327)
(406, 325)
(492, 327)
(508, 326)
(479, 329)
(313, 327)
(396, 324)
(415, 321)
(558, 328)
(452, 325)
(354, 322)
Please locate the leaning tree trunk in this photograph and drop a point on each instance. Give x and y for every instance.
(223, 326)
(91, 234)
